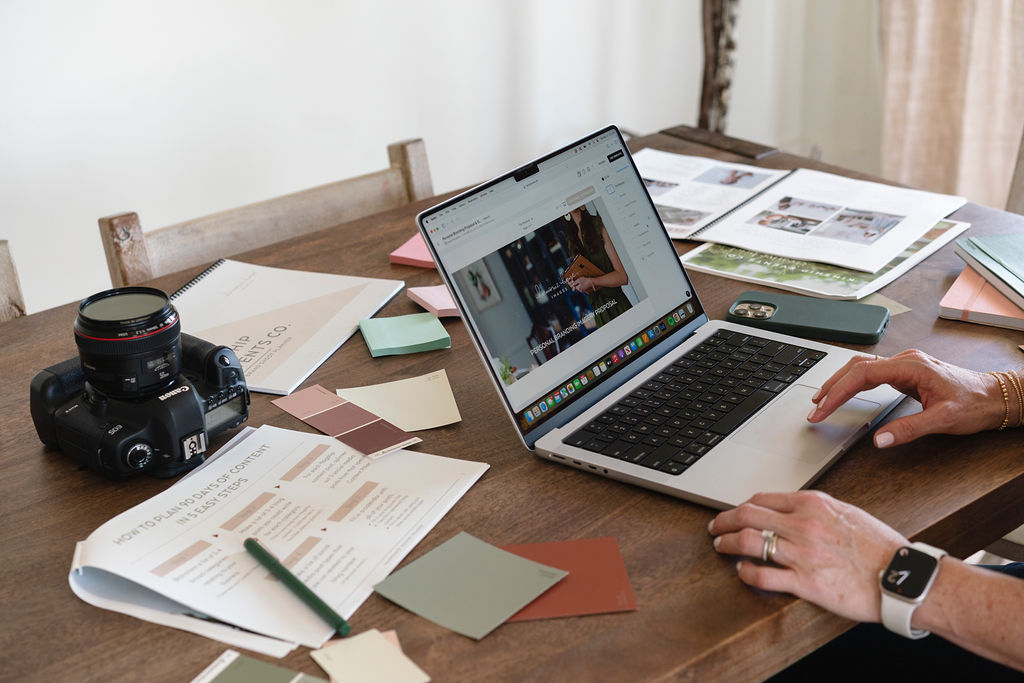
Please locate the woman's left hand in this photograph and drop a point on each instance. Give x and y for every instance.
(583, 284)
(827, 552)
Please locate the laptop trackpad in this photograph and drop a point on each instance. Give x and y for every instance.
(782, 428)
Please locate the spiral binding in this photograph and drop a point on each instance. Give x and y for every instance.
(192, 283)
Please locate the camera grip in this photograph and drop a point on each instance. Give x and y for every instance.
(50, 389)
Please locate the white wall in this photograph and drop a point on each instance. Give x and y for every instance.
(180, 109)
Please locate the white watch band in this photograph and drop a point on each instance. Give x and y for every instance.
(898, 612)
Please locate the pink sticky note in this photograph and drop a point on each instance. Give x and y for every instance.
(436, 299)
(413, 253)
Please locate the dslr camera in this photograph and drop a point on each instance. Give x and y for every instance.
(141, 396)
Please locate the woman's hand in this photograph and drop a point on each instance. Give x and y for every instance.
(583, 284)
(954, 400)
(827, 552)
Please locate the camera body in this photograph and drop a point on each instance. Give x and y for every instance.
(142, 402)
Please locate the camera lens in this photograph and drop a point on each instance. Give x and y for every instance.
(129, 341)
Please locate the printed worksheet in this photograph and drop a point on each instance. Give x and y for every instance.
(338, 520)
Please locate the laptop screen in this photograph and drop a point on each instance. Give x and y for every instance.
(565, 275)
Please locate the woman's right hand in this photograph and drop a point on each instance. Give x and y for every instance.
(954, 400)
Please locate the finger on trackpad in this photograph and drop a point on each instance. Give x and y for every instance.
(782, 427)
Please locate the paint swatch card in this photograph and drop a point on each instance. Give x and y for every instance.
(411, 404)
(369, 434)
(597, 580)
(467, 585)
(368, 657)
(404, 334)
(234, 667)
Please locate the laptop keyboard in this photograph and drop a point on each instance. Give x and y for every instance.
(677, 416)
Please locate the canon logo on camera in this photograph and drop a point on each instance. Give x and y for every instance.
(173, 392)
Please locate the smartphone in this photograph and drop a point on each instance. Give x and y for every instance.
(804, 316)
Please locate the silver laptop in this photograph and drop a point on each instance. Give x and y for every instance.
(591, 332)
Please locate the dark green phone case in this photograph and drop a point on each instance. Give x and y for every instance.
(803, 316)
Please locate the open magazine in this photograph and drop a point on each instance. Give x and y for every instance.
(813, 216)
(338, 520)
(690, 192)
(816, 279)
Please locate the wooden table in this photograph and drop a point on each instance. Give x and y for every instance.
(694, 621)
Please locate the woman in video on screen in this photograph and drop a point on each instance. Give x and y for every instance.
(589, 238)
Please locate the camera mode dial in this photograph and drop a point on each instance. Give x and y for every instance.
(139, 455)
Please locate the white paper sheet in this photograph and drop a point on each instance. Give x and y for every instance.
(341, 522)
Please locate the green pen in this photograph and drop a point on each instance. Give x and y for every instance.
(264, 557)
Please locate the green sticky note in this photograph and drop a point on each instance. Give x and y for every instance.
(468, 585)
(404, 334)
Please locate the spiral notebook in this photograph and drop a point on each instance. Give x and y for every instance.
(281, 323)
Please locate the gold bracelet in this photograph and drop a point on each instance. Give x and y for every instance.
(1006, 401)
(1015, 381)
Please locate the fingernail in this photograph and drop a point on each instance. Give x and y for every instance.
(810, 415)
(884, 439)
(817, 395)
(711, 525)
(716, 542)
(739, 565)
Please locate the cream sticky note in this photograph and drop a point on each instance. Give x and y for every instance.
(410, 404)
(368, 658)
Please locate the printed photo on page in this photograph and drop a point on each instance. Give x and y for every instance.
(809, 277)
(689, 192)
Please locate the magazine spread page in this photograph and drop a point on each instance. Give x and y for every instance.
(691, 192)
(815, 216)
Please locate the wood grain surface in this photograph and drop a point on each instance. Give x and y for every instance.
(694, 621)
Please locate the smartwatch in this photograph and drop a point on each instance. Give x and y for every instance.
(905, 583)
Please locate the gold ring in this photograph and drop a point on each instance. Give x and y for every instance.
(771, 546)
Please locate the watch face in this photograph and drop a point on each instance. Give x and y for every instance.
(909, 573)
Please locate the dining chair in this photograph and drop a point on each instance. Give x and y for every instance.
(12, 304)
(134, 256)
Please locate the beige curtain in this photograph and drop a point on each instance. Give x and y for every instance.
(953, 94)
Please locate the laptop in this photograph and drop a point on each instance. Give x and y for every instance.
(617, 370)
